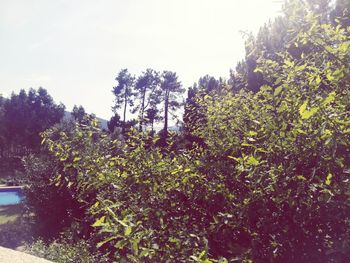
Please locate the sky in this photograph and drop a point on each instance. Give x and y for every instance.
(75, 48)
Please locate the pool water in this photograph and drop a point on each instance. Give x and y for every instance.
(10, 196)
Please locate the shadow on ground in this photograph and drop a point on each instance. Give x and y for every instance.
(14, 228)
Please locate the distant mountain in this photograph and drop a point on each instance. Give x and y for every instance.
(174, 128)
(103, 122)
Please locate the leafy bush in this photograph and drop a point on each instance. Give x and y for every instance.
(283, 156)
(270, 184)
(64, 252)
(51, 207)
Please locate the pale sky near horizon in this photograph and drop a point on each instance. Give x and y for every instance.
(75, 48)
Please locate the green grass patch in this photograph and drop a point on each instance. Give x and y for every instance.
(9, 214)
(14, 229)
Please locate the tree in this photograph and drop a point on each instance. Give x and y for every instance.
(276, 160)
(194, 116)
(114, 122)
(170, 90)
(270, 185)
(152, 115)
(275, 37)
(145, 91)
(25, 116)
(2, 127)
(341, 12)
(78, 113)
(123, 92)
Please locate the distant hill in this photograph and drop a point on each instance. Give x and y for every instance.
(103, 122)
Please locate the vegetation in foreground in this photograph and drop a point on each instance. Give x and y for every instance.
(260, 172)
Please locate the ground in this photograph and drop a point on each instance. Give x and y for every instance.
(9, 214)
(14, 231)
(9, 255)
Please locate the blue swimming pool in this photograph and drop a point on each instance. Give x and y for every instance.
(10, 196)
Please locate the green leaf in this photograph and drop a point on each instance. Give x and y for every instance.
(76, 159)
(252, 161)
(330, 77)
(64, 158)
(144, 253)
(234, 158)
(248, 145)
(135, 246)
(100, 244)
(128, 230)
(288, 63)
(278, 90)
(303, 107)
(120, 244)
(306, 114)
(328, 179)
(300, 177)
(301, 131)
(344, 46)
(309, 113)
(252, 133)
(318, 79)
(330, 98)
(99, 222)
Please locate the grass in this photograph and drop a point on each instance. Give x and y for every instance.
(14, 231)
(9, 214)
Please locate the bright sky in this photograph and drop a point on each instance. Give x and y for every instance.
(75, 48)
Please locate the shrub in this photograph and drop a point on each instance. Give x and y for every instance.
(271, 184)
(64, 252)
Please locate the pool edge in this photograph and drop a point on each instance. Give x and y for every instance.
(11, 187)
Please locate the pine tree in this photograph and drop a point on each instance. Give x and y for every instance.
(123, 92)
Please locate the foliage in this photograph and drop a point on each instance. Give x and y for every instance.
(284, 154)
(25, 115)
(265, 179)
(194, 113)
(114, 122)
(170, 90)
(22, 117)
(52, 208)
(78, 113)
(125, 181)
(147, 87)
(123, 92)
(64, 252)
(270, 185)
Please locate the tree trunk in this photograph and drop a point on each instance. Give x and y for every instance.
(142, 109)
(166, 109)
(124, 114)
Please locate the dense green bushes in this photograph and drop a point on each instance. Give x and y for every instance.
(51, 208)
(270, 182)
(65, 252)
